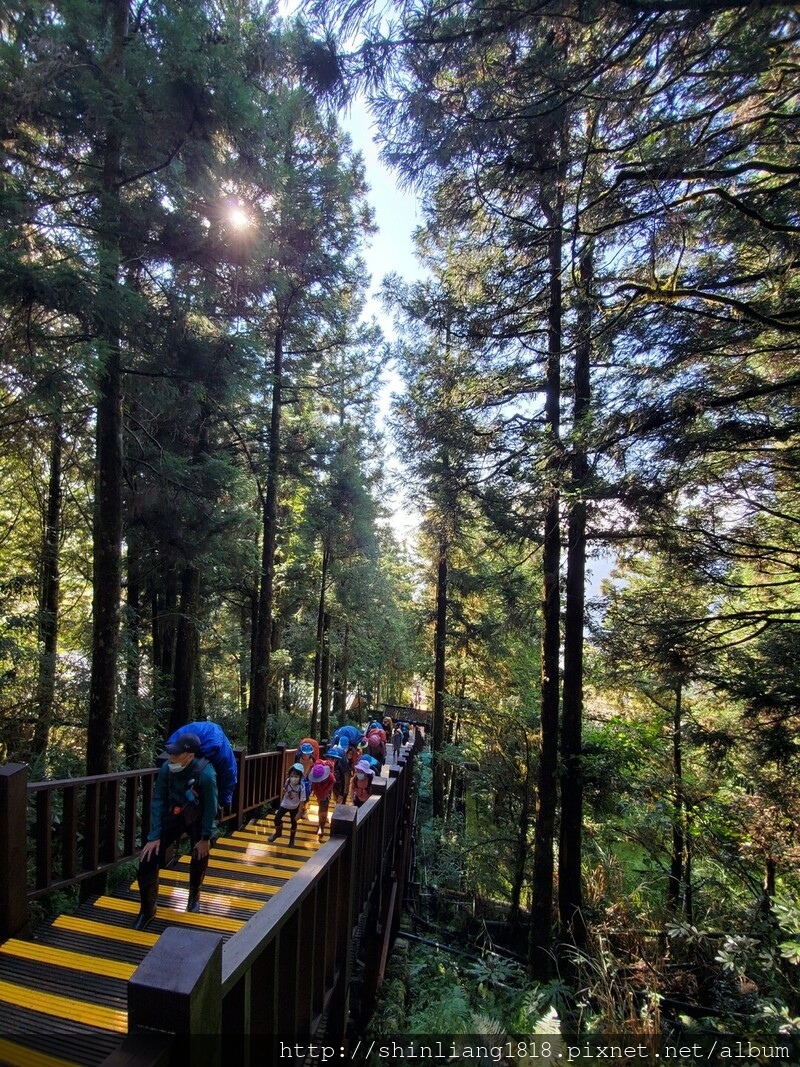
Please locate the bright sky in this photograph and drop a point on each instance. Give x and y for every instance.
(397, 212)
(397, 215)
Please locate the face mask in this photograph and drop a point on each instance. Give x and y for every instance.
(175, 767)
(360, 776)
(294, 779)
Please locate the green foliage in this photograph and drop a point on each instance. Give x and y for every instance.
(210, 113)
(61, 902)
(450, 993)
(787, 911)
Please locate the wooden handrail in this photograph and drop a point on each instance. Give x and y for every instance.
(291, 964)
(75, 830)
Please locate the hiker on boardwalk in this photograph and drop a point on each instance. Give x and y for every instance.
(291, 799)
(184, 802)
(341, 772)
(307, 755)
(362, 782)
(321, 778)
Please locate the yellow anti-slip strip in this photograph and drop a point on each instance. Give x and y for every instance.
(19, 1056)
(305, 838)
(97, 929)
(292, 854)
(254, 865)
(216, 922)
(248, 854)
(232, 860)
(61, 957)
(181, 877)
(302, 844)
(79, 1011)
(266, 826)
(175, 897)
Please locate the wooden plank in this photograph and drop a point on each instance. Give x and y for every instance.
(132, 793)
(20, 1056)
(269, 869)
(131, 907)
(254, 854)
(180, 876)
(58, 957)
(176, 896)
(69, 835)
(65, 1007)
(44, 839)
(91, 830)
(98, 929)
(111, 806)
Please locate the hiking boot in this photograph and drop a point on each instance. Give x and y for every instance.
(147, 909)
(143, 919)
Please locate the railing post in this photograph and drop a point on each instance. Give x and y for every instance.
(343, 824)
(379, 789)
(14, 849)
(177, 989)
(240, 793)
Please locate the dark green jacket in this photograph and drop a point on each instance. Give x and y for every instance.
(171, 791)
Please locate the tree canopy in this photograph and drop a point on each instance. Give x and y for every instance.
(599, 370)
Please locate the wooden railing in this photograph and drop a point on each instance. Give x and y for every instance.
(407, 713)
(59, 833)
(288, 971)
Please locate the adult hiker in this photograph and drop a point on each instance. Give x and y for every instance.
(184, 802)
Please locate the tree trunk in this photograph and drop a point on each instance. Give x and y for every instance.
(344, 674)
(570, 895)
(336, 695)
(770, 875)
(49, 601)
(439, 682)
(325, 678)
(184, 703)
(245, 655)
(323, 586)
(259, 696)
(522, 845)
(107, 531)
(678, 838)
(164, 608)
(539, 957)
(133, 632)
(688, 890)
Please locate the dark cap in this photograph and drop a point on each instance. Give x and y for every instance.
(184, 743)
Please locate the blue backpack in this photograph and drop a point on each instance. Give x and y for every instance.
(346, 735)
(216, 748)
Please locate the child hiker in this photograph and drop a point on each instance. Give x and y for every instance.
(292, 798)
(321, 778)
(362, 782)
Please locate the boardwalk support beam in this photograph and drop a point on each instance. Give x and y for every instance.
(13, 850)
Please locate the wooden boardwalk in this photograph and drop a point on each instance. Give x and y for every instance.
(63, 995)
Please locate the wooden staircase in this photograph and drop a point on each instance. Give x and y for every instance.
(63, 995)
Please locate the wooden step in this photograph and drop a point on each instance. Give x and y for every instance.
(71, 1009)
(63, 996)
